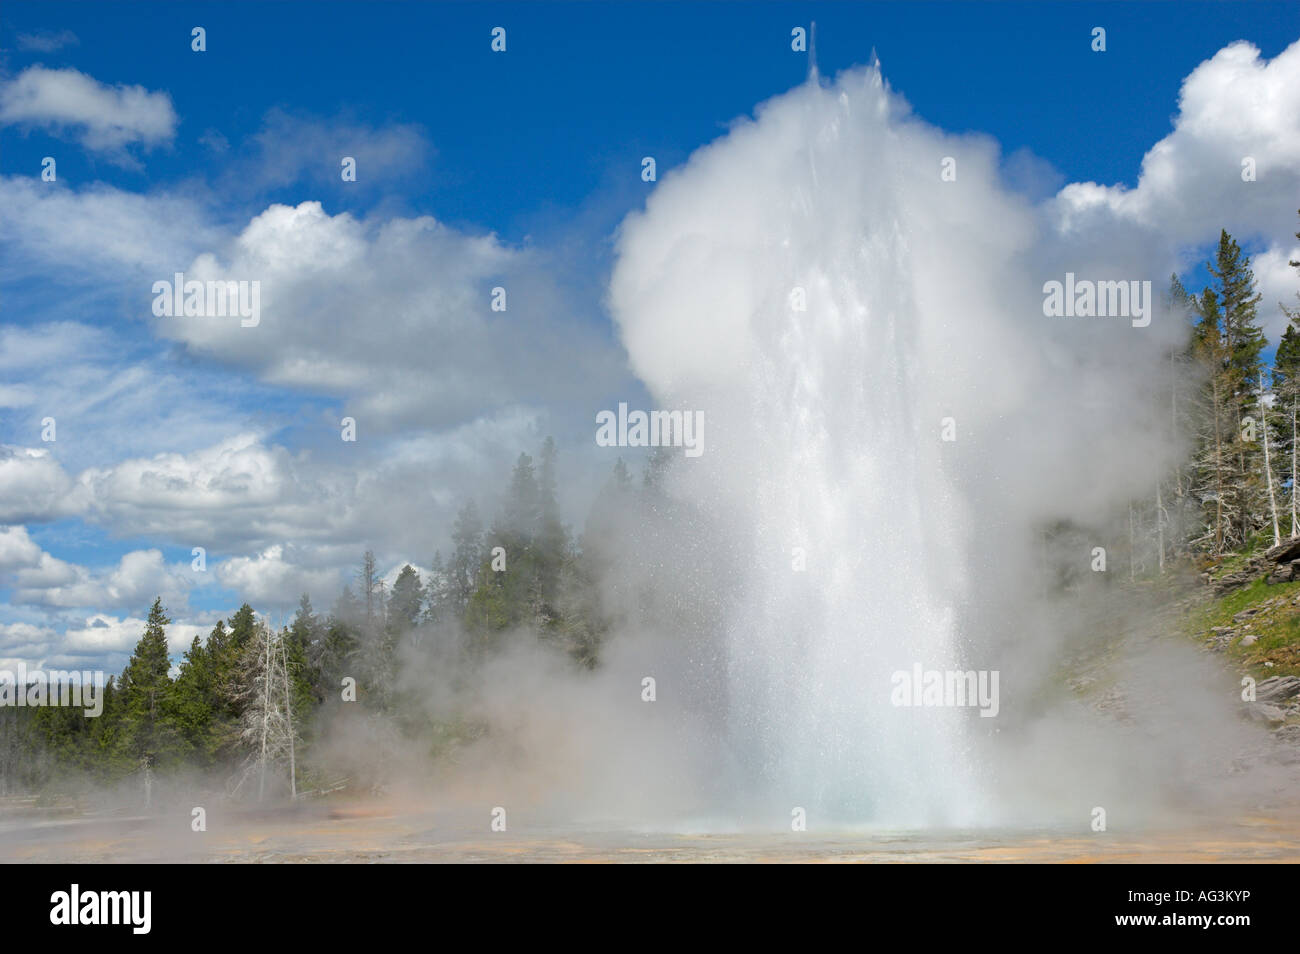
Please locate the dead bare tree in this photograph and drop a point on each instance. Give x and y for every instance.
(1268, 467)
(267, 723)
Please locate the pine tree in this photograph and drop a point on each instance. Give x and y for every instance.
(406, 601)
(467, 556)
(1213, 478)
(306, 647)
(1231, 478)
(195, 702)
(370, 585)
(438, 594)
(226, 648)
(1244, 339)
(147, 735)
(552, 539)
(341, 645)
(522, 516)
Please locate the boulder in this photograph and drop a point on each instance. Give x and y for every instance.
(1277, 689)
(1263, 712)
(1284, 552)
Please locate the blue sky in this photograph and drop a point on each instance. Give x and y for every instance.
(587, 89)
(528, 160)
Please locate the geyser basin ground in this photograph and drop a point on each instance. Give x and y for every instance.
(381, 832)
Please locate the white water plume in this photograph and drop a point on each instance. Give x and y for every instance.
(825, 425)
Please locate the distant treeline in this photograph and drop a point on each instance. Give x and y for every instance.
(247, 703)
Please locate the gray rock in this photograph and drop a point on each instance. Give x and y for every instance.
(1249, 640)
(1262, 712)
(1277, 689)
(1284, 553)
(1288, 733)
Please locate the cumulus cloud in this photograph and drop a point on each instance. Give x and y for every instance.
(175, 495)
(396, 315)
(103, 118)
(33, 486)
(40, 579)
(1277, 283)
(136, 580)
(1234, 108)
(109, 637)
(28, 644)
(17, 549)
(269, 580)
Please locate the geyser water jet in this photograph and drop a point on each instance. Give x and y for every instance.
(784, 305)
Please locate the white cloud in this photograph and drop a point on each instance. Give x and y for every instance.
(40, 579)
(100, 641)
(1232, 107)
(100, 233)
(47, 41)
(395, 315)
(104, 118)
(291, 148)
(269, 580)
(1278, 284)
(32, 485)
(17, 549)
(102, 634)
(183, 497)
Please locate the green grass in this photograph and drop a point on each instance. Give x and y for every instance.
(1277, 629)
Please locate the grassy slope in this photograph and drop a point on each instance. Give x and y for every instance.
(1276, 626)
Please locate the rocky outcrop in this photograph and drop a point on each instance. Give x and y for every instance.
(1245, 574)
(1263, 712)
(1285, 560)
(1287, 552)
(1278, 689)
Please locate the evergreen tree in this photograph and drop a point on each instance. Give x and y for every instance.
(371, 587)
(146, 734)
(1242, 336)
(467, 557)
(438, 594)
(1214, 475)
(306, 648)
(519, 522)
(552, 539)
(195, 703)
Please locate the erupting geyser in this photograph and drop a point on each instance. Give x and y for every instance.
(779, 284)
